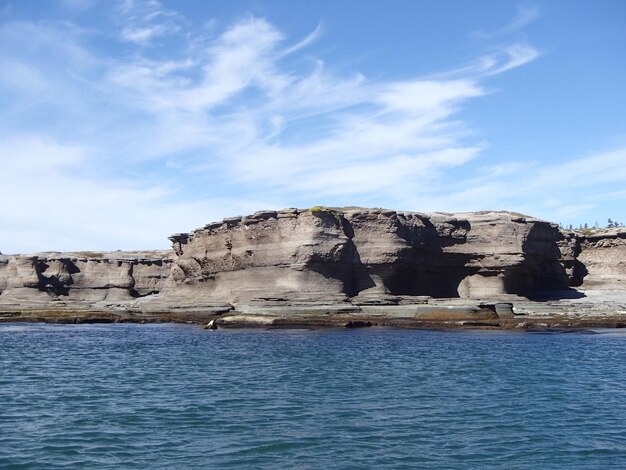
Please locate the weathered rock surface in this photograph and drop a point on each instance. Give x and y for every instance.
(603, 255)
(351, 265)
(86, 277)
(370, 252)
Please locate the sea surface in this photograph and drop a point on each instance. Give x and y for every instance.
(179, 397)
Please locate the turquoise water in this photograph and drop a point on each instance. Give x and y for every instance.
(171, 396)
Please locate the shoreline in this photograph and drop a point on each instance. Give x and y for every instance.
(337, 267)
(236, 320)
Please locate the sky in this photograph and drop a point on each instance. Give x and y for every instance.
(122, 122)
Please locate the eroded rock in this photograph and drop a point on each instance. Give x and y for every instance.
(327, 262)
(363, 252)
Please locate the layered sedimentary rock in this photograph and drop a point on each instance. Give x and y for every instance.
(569, 249)
(353, 259)
(360, 252)
(83, 277)
(603, 256)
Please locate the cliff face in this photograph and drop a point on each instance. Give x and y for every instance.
(327, 256)
(83, 277)
(363, 252)
(603, 256)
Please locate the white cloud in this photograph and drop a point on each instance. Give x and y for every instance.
(131, 147)
(51, 201)
(147, 20)
(599, 168)
(514, 56)
(32, 154)
(422, 95)
(568, 190)
(503, 59)
(526, 14)
(307, 41)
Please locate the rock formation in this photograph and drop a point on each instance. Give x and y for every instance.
(603, 257)
(83, 277)
(361, 252)
(326, 260)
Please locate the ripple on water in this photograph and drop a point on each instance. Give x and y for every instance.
(168, 396)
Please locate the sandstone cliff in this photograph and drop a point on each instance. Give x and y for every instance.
(342, 259)
(83, 277)
(603, 255)
(360, 252)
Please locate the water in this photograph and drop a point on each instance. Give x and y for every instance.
(171, 396)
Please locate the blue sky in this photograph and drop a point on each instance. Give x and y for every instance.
(123, 122)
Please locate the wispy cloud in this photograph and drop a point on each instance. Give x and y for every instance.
(526, 14)
(501, 59)
(52, 200)
(559, 191)
(133, 146)
(307, 41)
(252, 114)
(147, 20)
